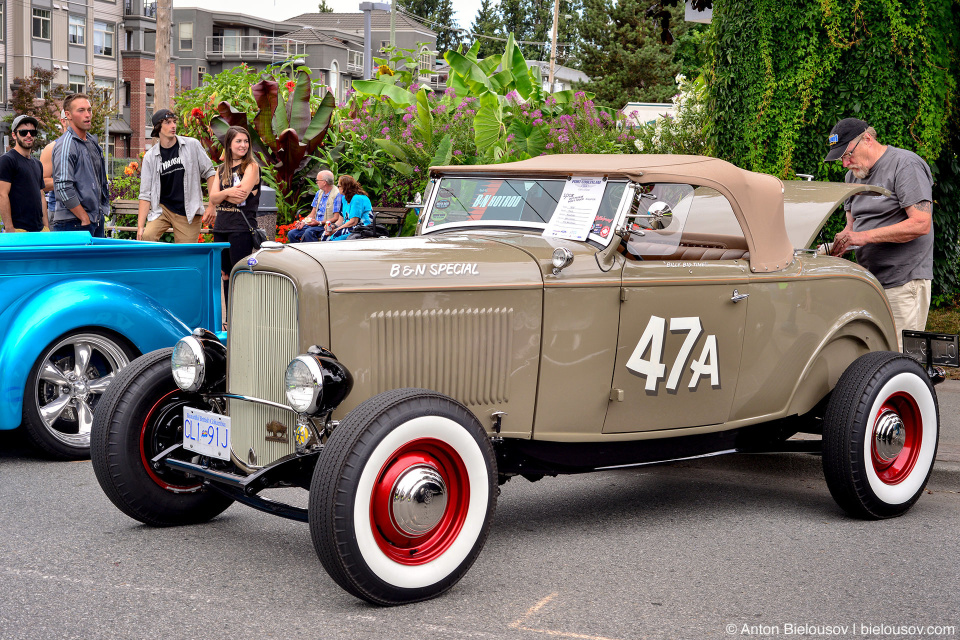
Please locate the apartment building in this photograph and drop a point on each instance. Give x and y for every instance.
(77, 41)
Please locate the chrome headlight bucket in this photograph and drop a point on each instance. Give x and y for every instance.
(316, 382)
(199, 361)
(188, 363)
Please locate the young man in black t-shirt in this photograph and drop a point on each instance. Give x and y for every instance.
(171, 196)
(22, 205)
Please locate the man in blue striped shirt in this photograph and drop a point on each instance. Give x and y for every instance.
(79, 173)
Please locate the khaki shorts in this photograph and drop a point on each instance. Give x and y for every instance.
(182, 230)
(910, 304)
(15, 230)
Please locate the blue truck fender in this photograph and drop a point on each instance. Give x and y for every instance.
(36, 321)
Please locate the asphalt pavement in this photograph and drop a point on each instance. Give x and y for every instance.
(735, 546)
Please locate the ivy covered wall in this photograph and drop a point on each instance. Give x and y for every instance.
(781, 74)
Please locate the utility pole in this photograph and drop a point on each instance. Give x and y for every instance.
(553, 41)
(393, 23)
(161, 83)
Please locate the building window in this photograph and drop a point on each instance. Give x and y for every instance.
(200, 72)
(126, 94)
(77, 84)
(3, 21)
(426, 61)
(3, 75)
(148, 104)
(41, 24)
(186, 78)
(102, 38)
(104, 87)
(186, 36)
(77, 33)
(355, 60)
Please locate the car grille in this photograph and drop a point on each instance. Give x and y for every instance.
(463, 353)
(262, 339)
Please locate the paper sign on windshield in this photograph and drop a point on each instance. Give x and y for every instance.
(577, 208)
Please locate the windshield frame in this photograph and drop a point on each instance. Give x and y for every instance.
(462, 225)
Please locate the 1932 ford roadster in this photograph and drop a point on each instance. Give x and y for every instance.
(556, 315)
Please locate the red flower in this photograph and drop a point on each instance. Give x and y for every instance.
(290, 85)
(197, 113)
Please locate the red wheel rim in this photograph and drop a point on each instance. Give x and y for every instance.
(145, 435)
(897, 469)
(396, 544)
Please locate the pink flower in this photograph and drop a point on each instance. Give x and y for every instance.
(549, 145)
(385, 130)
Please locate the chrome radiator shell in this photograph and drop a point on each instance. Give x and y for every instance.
(262, 338)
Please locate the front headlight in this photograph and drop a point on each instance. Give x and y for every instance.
(188, 364)
(303, 382)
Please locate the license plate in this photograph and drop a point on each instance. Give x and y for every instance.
(940, 349)
(206, 433)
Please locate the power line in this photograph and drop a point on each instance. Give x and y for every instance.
(406, 12)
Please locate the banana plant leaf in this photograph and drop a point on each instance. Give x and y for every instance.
(424, 118)
(395, 94)
(230, 117)
(444, 153)
(290, 153)
(392, 148)
(266, 93)
(513, 60)
(467, 68)
(320, 124)
(298, 103)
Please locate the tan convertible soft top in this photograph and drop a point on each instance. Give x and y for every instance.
(757, 199)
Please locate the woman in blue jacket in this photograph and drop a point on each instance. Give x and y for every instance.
(356, 208)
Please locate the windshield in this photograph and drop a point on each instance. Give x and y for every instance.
(514, 202)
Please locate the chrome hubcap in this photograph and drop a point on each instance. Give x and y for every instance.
(418, 500)
(889, 435)
(75, 372)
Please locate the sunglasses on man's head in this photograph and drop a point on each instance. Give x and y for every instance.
(27, 132)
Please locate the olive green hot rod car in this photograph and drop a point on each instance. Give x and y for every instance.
(557, 315)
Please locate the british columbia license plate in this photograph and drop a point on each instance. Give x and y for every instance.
(206, 433)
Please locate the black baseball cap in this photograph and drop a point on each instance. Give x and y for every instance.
(21, 119)
(841, 135)
(158, 118)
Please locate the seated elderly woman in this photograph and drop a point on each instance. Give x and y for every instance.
(356, 208)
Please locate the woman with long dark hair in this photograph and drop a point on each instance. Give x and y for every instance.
(236, 195)
(356, 208)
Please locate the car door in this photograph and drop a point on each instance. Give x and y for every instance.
(682, 313)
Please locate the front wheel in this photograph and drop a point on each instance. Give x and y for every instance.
(140, 416)
(880, 435)
(402, 497)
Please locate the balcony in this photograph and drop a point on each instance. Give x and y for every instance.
(355, 61)
(145, 9)
(252, 48)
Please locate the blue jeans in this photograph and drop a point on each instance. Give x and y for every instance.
(305, 233)
(95, 229)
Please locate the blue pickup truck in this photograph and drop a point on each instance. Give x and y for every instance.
(74, 310)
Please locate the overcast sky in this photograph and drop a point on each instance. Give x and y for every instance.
(466, 10)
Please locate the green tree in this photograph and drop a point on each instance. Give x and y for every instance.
(623, 55)
(487, 23)
(439, 14)
(323, 7)
(25, 101)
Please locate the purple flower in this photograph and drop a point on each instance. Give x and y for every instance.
(385, 130)
(549, 145)
(363, 137)
(510, 137)
(538, 122)
(407, 118)
(536, 114)
(457, 152)
(419, 145)
(449, 91)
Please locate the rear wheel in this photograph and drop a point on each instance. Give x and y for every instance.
(880, 435)
(140, 416)
(402, 497)
(63, 389)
